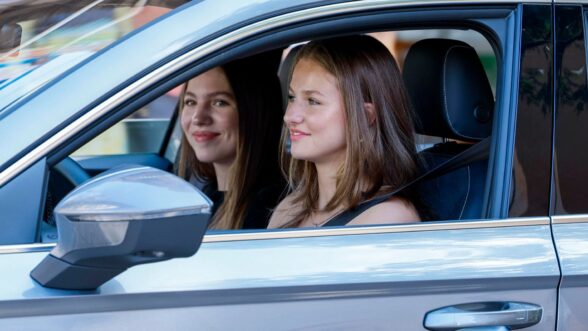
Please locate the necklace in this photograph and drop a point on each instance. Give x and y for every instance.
(316, 225)
(329, 217)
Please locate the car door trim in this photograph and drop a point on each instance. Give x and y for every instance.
(326, 232)
(26, 248)
(376, 229)
(208, 48)
(569, 219)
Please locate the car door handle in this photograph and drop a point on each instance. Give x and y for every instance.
(486, 315)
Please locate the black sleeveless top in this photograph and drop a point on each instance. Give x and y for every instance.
(260, 208)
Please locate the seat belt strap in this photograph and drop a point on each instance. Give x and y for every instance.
(477, 152)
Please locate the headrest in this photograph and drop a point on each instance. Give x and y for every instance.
(449, 90)
(285, 71)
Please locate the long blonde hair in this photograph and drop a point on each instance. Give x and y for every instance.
(259, 103)
(381, 152)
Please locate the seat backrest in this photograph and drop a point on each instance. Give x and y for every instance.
(452, 99)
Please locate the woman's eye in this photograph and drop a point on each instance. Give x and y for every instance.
(220, 103)
(189, 102)
(290, 98)
(312, 101)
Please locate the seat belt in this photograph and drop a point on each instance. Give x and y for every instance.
(477, 152)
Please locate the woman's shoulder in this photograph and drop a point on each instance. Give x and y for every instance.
(392, 211)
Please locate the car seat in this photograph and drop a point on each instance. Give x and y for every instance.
(452, 99)
(285, 70)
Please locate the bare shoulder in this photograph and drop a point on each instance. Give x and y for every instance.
(283, 213)
(394, 210)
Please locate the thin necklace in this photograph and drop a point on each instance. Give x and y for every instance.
(318, 224)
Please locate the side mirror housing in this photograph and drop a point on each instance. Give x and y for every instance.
(124, 217)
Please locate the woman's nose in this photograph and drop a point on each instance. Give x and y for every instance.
(293, 114)
(201, 115)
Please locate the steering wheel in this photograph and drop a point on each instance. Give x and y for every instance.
(72, 171)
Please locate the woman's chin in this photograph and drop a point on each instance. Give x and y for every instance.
(207, 157)
(303, 156)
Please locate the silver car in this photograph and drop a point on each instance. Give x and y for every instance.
(89, 242)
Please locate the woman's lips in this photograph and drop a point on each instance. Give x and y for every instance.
(296, 135)
(204, 136)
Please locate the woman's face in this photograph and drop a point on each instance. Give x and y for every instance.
(209, 117)
(315, 115)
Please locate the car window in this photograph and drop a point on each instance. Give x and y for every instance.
(142, 132)
(570, 126)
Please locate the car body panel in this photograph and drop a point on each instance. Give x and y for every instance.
(13, 199)
(408, 273)
(572, 249)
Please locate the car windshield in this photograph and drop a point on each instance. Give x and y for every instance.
(39, 40)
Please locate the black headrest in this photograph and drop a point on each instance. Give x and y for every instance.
(449, 90)
(285, 71)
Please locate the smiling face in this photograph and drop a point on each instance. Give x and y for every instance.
(209, 117)
(315, 115)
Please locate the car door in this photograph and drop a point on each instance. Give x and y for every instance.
(569, 198)
(499, 270)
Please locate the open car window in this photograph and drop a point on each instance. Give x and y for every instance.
(153, 129)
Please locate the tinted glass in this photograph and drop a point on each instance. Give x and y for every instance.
(532, 158)
(571, 155)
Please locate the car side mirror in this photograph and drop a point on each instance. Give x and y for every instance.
(121, 218)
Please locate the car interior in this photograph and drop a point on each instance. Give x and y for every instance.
(457, 108)
(450, 75)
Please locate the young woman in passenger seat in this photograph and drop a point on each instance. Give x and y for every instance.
(231, 120)
(349, 122)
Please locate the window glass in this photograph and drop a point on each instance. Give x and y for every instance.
(142, 132)
(570, 159)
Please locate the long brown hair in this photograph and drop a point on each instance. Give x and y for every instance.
(380, 155)
(257, 92)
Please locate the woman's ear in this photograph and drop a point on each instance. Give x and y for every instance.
(371, 113)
